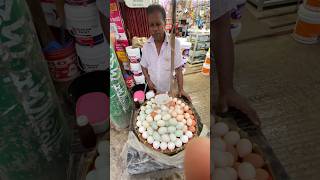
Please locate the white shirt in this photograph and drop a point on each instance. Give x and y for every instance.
(221, 7)
(159, 66)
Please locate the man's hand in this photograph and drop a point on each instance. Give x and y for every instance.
(183, 93)
(233, 99)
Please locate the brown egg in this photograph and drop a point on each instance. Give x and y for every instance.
(192, 129)
(233, 151)
(172, 103)
(262, 174)
(194, 123)
(255, 159)
(190, 112)
(236, 165)
(153, 114)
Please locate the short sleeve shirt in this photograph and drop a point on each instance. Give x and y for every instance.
(221, 7)
(159, 66)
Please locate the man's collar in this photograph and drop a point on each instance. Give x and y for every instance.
(166, 39)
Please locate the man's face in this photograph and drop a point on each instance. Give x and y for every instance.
(156, 25)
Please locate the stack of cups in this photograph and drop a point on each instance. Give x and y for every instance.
(135, 67)
(307, 29)
(83, 22)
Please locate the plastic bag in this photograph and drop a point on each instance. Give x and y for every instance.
(138, 158)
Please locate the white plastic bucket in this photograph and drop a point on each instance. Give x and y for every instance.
(133, 54)
(83, 22)
(93, 58)
(135, 68)
(307, 29)
(139, 78)
(185, 50)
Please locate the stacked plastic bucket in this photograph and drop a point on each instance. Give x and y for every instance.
(307, 29)
(83, 22)
(135, 67)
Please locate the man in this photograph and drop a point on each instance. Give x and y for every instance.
(156, 55)
(224, 55)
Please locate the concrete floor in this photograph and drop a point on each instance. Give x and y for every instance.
(198, 87)
(281, 79)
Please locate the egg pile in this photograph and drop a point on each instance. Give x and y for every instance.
(166, 127)
(234, 158)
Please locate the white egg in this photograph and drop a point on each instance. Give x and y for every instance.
(246, 171)
(229, 158)
(161, 123)
(158, 111)
(149, 103)
(219, 159)
(162, 130)
(186, 115)
(149, 118)
(142, 117)
(150, 139)
(219, 144)
(220, 128)
(232, 138)
(154, 125)
(139, 124)
(220, 174)
(156, 144)
(189, 134)
(163, 145)
(189, 122)
(152, 100)
(171, 146)
(148, 106)
(184, 121)
(178, 143)
(142, 108)
(185, 128)
(244, 147)
(175, 99)
(173, 137)
(183, 105)
(156, 136)
(145, 124)
(232, 173)
(173, 122)
(166, 117)
(157, 117)
(179, 133)
(179, 102)
(139, 118)
(170, 111)
(164, 108)
(184, 138)
(179, 125)
(153, 106)
(142, 129)
(145, 135)
(171, 129)
(165, 138)
(179, 112)
(150, 131)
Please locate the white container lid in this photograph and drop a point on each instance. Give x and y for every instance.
(82, 120)
(81, 12)
(306, 15)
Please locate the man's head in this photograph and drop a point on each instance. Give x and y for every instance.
(157, 21)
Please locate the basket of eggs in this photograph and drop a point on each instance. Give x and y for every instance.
(166, 124)
(236, 157)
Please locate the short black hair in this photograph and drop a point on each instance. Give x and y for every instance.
(157, 8)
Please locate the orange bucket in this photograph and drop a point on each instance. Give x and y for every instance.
(312, 5)
(307, 29)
